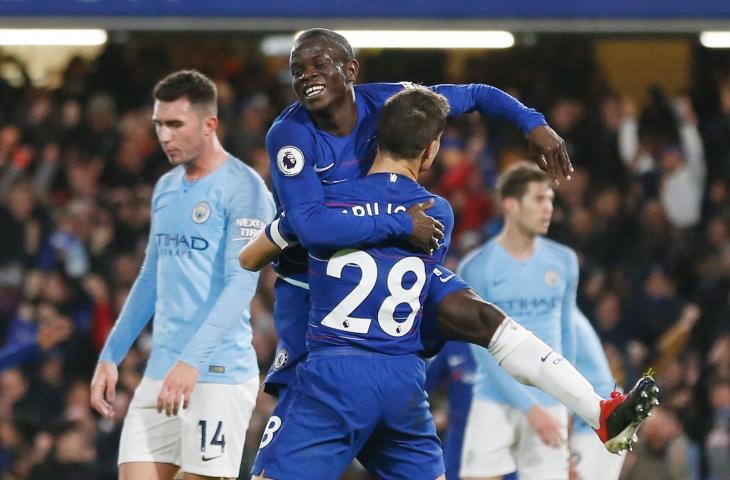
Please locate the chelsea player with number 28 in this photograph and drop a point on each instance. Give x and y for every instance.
(360, 392)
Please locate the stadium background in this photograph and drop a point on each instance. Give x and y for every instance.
(624, 84)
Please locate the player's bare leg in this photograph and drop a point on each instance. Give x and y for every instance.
(147, 470)
(464, 316)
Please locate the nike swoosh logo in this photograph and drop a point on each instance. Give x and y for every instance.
(499, 282)
(206, 459)
(322, 169)
(446, 279)
(542, 359)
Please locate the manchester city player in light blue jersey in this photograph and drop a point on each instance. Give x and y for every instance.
(534, 280)
(360, 392)
(590, 458)
(203, 211)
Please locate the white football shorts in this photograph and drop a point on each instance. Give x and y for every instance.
(592, 460)
(205, 439)
(499, 440)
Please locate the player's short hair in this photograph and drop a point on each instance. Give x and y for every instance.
(196, 87)
(343, 46)
(513, 182)
(410, 120)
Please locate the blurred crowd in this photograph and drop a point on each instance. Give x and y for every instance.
(648, 212)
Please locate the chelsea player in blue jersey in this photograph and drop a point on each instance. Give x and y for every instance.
(328, 137)
(360, 392)
(203, 211)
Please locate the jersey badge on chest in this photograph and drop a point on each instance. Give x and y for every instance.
(201, 212)
(552, 278)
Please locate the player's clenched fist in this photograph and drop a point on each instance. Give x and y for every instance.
(179, 383)
(103, 388)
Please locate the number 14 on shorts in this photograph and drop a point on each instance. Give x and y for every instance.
(218, 439)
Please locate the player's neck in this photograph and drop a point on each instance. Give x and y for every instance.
(516, 242)
(387, 164)
(209, 160)
(339, 119)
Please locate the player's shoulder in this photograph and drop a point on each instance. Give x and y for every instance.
(240, 177)
(478, 257)
(170, 180)
(559, 250)
(294, 119)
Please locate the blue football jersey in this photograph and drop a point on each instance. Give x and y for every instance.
(303, 158)
(372, 297)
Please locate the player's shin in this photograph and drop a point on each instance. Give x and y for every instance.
(531, 361)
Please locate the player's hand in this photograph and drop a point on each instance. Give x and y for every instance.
(179, 384)
(546, 426)
(427, 231)
(103, 388)
(548, 150)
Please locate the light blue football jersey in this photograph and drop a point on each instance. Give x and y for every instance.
(591, 362)
(539, 293)
(191, 280)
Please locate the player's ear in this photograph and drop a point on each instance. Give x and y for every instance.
(509, 204)
(210, 125)
(429, 154)
(351, 69)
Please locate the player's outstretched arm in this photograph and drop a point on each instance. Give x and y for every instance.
(546, 147)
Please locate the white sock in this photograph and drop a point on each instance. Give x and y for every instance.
(531, 361)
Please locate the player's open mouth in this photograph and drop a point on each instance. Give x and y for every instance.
(313, 91)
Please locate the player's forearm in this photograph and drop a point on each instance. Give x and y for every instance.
(260, 250)
(137, 311)
(492, 102)
(317, 226)
(233, 300)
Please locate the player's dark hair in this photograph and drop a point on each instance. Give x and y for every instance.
(514, 181)
(344, 47)
(410, 120)
(197, 88)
